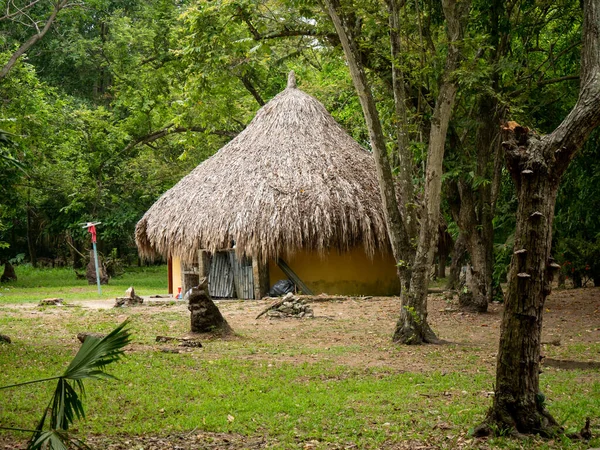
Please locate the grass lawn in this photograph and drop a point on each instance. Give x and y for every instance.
(332, 382)
(32, 285)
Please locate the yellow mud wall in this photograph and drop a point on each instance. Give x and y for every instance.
(176, 275)
(349, 273)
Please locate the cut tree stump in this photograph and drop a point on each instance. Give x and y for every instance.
(9, 273)
(90, 271)
(205, 317)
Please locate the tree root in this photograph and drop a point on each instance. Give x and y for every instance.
(415, 334)
(500, 422)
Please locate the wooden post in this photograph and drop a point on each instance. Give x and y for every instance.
(203, 263)
(260, 273)
(170, 275)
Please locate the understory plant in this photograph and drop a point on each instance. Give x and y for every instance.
(65, 406)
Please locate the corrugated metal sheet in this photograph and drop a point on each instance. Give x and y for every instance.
(242, 276)
(220, 278)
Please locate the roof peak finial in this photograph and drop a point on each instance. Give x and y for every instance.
(291, 80)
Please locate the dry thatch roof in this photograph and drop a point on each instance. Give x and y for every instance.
(293, 179)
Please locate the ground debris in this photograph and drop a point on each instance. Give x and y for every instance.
(189, 441)
(84, 335)
(183, 342)
(51, 302)
(288, 306)
(130, 299)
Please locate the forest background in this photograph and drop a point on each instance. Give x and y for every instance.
(106, 104)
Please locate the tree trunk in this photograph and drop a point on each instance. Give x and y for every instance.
(405, 158)
(205, 317)
(537, 166)
(458, 259)
(478, 196)
(475, 294)
(397, 232)
(518, 404)
(9, 273)
(477, 206)
(412, 326)
(30, 237)
(443, 250)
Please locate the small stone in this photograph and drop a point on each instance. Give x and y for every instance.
(288, 297)
(4, 339)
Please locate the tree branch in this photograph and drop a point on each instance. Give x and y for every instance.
(9, 15)
(547, 82)
(171, 129)
(250, 87)
(574, 130)
(32, 40)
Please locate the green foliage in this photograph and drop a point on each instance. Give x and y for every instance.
(502, 255)
(577, 223)
(65, 405)
(580, 260)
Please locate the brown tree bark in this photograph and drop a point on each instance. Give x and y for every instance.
(478, 234)
(536, 165)
(397, 232)
(458, 258)
(478, 197)
(412, 326)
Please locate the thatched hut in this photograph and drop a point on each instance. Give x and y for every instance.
(293, 188)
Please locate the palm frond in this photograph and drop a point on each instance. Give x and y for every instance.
(66, 406)
(95, 354)
(51, 440)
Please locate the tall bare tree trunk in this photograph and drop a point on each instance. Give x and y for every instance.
(412, 326)
(537, 165)
(405, 157)
(478, 198)
(396, 227)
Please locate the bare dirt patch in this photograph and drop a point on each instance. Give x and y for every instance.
(353, 332)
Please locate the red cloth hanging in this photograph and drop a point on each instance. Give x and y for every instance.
(92, 229)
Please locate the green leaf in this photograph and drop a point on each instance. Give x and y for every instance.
(95, 354)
